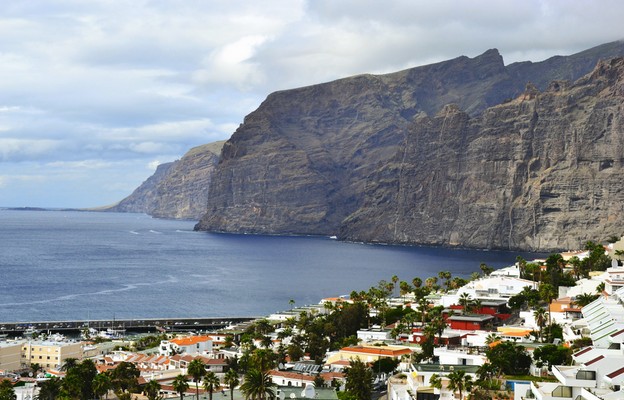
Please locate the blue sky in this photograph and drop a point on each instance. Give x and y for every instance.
(94, 94)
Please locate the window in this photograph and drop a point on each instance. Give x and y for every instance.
(586, 375)
(562, 391)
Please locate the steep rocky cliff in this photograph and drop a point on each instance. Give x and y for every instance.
(540, 172)
(387, 159)
(178, 189)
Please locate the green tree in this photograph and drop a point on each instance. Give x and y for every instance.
(509, 358)
(6, 390)
(584, 299)
(124, 378)
(69, 363)
(465, 301)
(211, 382)
(359, 380)
(257, 385)
(180, 384)
(551, 354)
(49, 389)
(385, 365)
(152, 390)
(404, 288)
(487, 374)
(197, 370)
(460, 382)
(101, 385)
(485, 269)
(435, 381)
(35, 368)
(231, 379)
(540, 319)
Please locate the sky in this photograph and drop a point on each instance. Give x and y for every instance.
(95, 94)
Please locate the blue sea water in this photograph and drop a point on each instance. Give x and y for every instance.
(64, 265)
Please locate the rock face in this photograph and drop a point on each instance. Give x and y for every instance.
(459, 153)
(540, 172)
(177, 190)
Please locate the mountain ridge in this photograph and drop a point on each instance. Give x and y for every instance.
(331, 158)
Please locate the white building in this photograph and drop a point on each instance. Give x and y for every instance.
(186, 345)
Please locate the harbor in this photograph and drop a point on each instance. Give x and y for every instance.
(129, 325)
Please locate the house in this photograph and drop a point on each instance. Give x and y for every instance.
(375, 334)
(604, 316)
(416, 384)
(471, 321)
(10, 356)
(186, 345)
(50, 354)
(369, 354)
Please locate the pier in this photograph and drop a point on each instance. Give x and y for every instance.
(138, 325)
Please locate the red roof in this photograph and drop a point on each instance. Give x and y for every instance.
(594, 360)
(617, 333)
(379, 351)
(616, 373)
(585, 350)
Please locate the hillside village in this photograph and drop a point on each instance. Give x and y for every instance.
(547, 329)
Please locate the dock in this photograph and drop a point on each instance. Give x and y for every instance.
(129, 325)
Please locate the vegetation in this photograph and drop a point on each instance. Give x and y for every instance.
(359, 379)
(257, 385)
(197, 370)
(509, 358)
(6, 390)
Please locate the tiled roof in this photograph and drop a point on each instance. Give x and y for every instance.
(291, 375)
(616, 373)
(617, 333)
(594, 360)
(380, 351)
(585, 350)
(190, 340)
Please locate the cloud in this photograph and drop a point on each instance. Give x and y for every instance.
(127, 83)
(12, 149)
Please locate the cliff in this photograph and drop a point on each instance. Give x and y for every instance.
(387, 159)
(541, 172)
(177, 190)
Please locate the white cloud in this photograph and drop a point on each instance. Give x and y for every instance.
(127, 83)
(11, 149)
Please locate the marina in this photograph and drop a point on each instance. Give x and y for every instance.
(8, 329)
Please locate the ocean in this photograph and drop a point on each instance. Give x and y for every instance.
(70, 265)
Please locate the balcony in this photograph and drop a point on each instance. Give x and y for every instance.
(574, 376)
(551, 391)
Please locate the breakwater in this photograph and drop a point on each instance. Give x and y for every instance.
(128, 325)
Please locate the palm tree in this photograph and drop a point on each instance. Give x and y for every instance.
(257, 385)
(211, 382)
(151, 389)
(6, 390)
(35, 368)
(459, 381)
(231, 379)
(465, 301)
(197, 370)
(180, 385)
(101, 385)
(50, 389)
(584, 299)
(404, 288)
(491, 338)
(540, 320)
(69, 363)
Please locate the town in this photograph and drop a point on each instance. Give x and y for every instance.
(547, 329)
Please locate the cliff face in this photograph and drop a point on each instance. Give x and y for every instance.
(177, 190)
(540, 172)
(386, 159)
